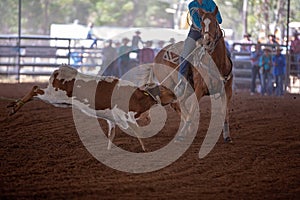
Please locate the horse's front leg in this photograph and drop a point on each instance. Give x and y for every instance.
(186, 117)
(227, 97)
(189, 107)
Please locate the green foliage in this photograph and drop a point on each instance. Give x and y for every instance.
(129, 13)
(8, 20)
(38, 15)
(262, 15)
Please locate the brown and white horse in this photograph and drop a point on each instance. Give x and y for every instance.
(211, 71)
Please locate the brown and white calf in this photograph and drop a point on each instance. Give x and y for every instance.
(117, 101)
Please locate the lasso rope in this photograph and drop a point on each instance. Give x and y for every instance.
(175, 69)
(7, 98)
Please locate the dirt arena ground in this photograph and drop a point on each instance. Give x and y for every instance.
(42, 156)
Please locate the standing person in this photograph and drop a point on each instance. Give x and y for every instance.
(265, 64)
(146, 54)
(136, 39)
(255, 55)
(117, 47)
(109, 56)
(246, 40)
(279, 64)
(193, 35)
(172, 40)
(91, 35)
(123, 56)
(295, 50)
(161, 44)
(272, 40)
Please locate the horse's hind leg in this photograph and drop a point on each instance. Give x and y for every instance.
(226, 131)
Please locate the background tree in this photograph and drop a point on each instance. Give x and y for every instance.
(38, 15)
(130, 13)
(8, 16)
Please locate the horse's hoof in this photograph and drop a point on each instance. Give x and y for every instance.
(228, 140)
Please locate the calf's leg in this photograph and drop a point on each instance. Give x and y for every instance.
(111, 133)
(16, 105)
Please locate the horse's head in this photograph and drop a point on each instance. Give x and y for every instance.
(210, 28)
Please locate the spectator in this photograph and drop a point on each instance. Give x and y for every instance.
(265, 64)
(123, 57)
(77, 57)
(172, 41)
(246, 40)
(136, 39)
(295, 50)
(91, 35)
(272, 40)
(109, 56)
(255, 55)
(161, 44)
(279, 64)
(117, 46)
(146, 54)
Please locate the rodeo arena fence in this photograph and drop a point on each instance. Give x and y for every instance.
(25, 58)
(30, 57)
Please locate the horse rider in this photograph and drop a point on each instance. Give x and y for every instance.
(193, 35)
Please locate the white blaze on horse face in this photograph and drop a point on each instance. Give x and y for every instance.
(206, 22)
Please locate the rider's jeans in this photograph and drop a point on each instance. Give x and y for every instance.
(188, 47)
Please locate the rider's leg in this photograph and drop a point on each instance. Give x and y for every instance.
(186, 58)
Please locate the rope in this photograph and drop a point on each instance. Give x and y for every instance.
(8, 99)
(175, 69)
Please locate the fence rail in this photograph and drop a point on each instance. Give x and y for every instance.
(38, 56)
(32, 55)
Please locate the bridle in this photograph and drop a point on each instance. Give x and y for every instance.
(219, 33)
(216, 38)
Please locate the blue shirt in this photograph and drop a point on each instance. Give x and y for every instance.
(279, 64)
(90, 34)
(255, 55)
(265, 62)
(207, 5)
